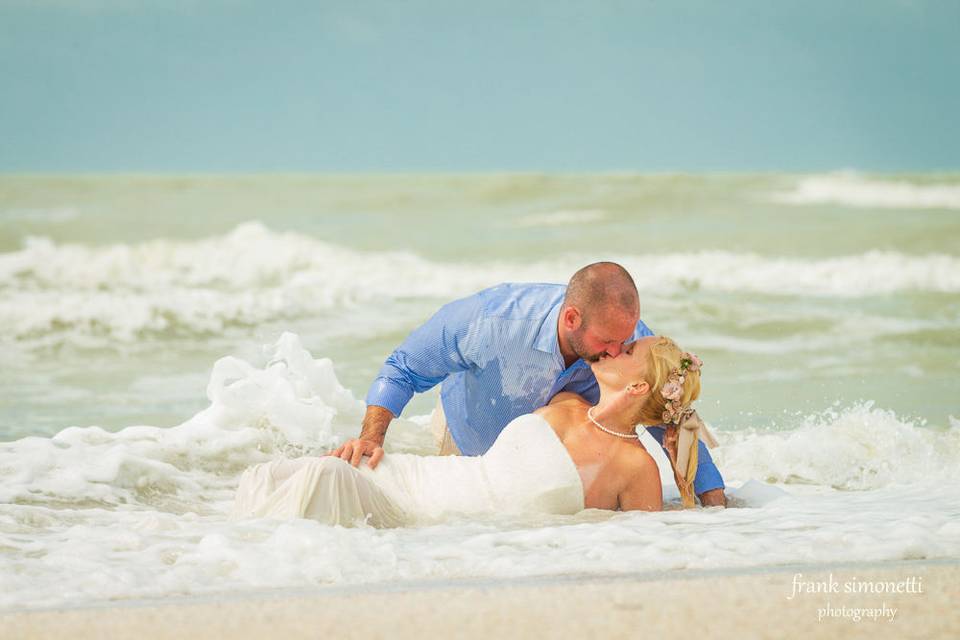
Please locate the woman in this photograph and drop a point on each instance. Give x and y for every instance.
(562, 458)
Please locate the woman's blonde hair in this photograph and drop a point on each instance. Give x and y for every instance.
(664, 358)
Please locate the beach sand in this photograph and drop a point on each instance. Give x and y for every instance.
(705, 604)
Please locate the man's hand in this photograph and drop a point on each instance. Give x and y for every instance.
(713, 498)
(353, 451)
(370, 442)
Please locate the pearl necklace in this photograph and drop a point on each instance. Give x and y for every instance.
(610, 431)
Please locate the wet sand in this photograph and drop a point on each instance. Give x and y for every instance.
(778, 603)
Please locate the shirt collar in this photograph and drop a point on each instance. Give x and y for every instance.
(547, 340)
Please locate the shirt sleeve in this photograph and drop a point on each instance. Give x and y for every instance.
(444, 344)
(642, 331)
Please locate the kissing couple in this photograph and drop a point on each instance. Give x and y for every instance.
(545, 391)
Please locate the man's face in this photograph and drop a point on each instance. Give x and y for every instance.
(603, 336)
(627, 368)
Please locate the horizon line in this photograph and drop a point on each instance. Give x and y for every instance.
(470, 173)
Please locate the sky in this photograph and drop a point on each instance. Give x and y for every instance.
(417, 86)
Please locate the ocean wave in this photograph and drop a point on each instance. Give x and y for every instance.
(288, 405)
(561, 218)
(254, 275)
(59, 214)
(847, 331)
(90, 515)
(857, 448)
(857, 191)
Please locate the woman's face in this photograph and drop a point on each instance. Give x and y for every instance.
(627, 368)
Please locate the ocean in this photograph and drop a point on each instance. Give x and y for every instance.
(158, 334)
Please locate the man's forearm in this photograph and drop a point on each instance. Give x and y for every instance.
(375, 423)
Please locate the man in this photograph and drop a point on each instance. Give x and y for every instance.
(506, 351)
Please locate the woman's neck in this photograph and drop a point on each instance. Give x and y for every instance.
(611, 413)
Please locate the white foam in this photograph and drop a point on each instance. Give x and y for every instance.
(845, 331)
(53, 292)
(90, 515)
(852, 190)
(288, 405)
(63, 558)
(871, 273)
(859, 447)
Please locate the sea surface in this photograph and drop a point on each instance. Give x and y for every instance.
(158, 334)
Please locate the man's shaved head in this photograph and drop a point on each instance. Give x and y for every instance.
(604, 288)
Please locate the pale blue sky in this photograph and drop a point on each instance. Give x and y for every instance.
(221, 85)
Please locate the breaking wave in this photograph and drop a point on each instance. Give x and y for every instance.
(857, 191)
(253, 275)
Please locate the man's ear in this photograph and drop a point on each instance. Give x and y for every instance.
(572, 318)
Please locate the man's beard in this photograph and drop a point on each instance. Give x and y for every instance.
(582, 352)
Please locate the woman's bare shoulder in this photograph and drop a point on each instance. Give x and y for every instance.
(635, 463)
(635, 455)
(562, 409)
(642, 488)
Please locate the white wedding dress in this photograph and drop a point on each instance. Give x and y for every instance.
(527, 470)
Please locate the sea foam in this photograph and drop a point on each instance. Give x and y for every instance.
(854, 448)
(853, 190)
(118, 293)
(90, 515)
(288, 406)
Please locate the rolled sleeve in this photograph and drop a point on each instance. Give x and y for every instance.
(389, 395)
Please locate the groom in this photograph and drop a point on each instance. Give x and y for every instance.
(506, 351)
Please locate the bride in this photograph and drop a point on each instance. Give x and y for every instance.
(563, 458)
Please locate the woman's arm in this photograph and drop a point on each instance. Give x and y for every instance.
(643, 492)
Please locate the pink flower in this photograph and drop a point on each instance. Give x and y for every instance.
(693, 362)
(671, 390)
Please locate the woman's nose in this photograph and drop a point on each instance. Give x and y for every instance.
(614, 350)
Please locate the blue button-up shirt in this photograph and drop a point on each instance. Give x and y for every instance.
(497, 354)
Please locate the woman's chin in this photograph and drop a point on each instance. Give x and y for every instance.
(606, 375)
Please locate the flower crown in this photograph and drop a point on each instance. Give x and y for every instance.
(673, 411)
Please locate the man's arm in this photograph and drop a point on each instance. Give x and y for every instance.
(442, 345)
(375, 423)
(713, 498)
